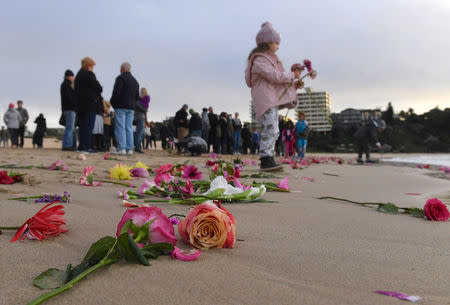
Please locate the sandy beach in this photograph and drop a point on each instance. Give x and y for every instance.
(300, 250)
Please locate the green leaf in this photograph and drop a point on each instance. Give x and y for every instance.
(128, 249)
(415, 212)
(99, 249)
(50, 279)
(155, 250)
(216, 193)
(241, 196)
(126, 227)
(258, 200)
(388, 208)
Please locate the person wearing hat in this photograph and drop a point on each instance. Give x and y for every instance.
(366, 134)
(12, 119)
(195, 123)
(181, 124)
(268, 80)
(205, 124)
(68, 108)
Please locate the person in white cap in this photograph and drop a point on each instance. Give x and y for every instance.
(268, 80)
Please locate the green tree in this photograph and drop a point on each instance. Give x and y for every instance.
(388, 115)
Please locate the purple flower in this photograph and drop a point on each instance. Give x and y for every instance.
(139, 172)
(174, 220)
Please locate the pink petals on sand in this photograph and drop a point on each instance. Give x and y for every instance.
(57, 165)
(87, 179)
(283, 184)
(185, 255)
(399, 295)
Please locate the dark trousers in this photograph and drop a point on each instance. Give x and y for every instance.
(149, 140)
(86, 123)
(224, 145)
(363, 147)
(21, 133)
(245, 147)
(213, 141)
(38, 140)
(13, 135)
(107, 136)
(255, 148)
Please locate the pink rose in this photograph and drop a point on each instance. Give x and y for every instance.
(139, 172)
(207, 226)
(162, 178)
(56, 165)
(160, 230)
(436, 210)
(283, 184)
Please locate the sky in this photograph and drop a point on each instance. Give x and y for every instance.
(366, 53)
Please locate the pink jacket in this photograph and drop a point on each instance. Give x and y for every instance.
(267, 79)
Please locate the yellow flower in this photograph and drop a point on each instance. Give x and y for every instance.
(140, 164)
(120, 172)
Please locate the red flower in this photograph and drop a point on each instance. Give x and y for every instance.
(46, 222)
(436, 210)
(191, 172)
(164, 169)
(5, 179)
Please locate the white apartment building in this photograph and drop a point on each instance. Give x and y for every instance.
(317, 109)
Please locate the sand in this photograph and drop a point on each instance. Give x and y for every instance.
(299, 251)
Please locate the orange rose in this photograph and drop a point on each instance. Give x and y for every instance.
(207, 226)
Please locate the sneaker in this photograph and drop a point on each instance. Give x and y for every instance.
(129, 152)
(91, 151)
(139, 151)
(119, 152)
(359, 160)
(370, 161)
(268, 164)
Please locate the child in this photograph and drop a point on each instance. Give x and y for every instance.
(301, 133)
(256, 137)
(268, 80)
(4, 136)
(289, 138)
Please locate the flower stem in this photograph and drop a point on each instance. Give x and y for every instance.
(70, 284)
(25, 197)
(114, 182)
(9, 228)
(156, 200)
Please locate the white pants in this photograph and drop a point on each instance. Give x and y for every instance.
(269, 132)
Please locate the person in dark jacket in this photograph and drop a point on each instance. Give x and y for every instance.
(366, 134)
(24, 114)
(223, 122)
(246, 139)
(88, 96)
(182, 124)
(229, 133)
(41, 128)
(213, 126)
(68, 108)
(195, 124)
(124, 98)
(237, 126)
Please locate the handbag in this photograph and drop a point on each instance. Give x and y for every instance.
(62, 120)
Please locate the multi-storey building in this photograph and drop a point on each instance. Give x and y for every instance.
(316, 106)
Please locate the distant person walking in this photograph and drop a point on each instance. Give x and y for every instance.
(88, 94)
(4, 136)
(237, 126)
(41, 128)
(268, 80)
(23, 122)
(256, 138)
(124, 98)
(366, 134)
(140, 117)
(12, 119)
(68, 108)
(182, 125)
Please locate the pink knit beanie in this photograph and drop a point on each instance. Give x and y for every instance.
(267, 34)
